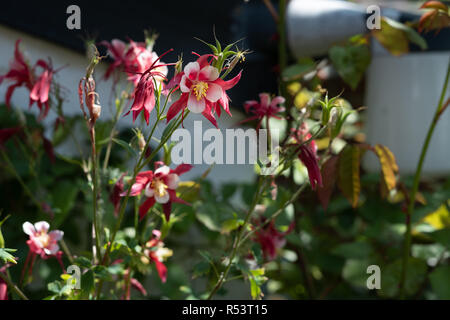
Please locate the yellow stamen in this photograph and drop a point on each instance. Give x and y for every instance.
(44, 239)
(159, 187)
(200, 90)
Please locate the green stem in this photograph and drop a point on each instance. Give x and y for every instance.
(415, 188)
(12, 286)
(237, 241)
(95, 193)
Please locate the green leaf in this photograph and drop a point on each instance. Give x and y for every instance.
(125, 145)
(355, 250)
(64, 196)
(348, 173)
(230, 225)
(440, 280)
(351, 62)
(329, 177)
(442, 236)
(391, 38)
(83, 262)
(390, 277)
(297, 71)
(87, 282)
(5, 255)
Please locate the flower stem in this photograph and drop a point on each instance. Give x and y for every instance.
(237, 240)
(12, 286)
(415, 188)
(95, 193)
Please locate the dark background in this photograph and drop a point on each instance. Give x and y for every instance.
(177, 23)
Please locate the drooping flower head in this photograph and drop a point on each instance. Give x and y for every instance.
(133, 58)
(41, 89)
(308, 154)
(265, 107)
(21, 74)
(144, 93)
(202, 90)
(41, 241)
(158, 253)
(158, 187)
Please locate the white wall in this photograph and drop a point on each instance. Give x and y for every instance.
(69, 77)
(402, 94)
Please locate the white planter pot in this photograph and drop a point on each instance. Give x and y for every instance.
(401, 95)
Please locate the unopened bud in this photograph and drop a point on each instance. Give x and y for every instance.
(96, 111)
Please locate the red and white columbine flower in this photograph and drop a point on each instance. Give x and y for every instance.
(158, 253)
(202, 91)
(158, 187)
(42, 242)
(23, 75)
(144, 93)
(266, 107)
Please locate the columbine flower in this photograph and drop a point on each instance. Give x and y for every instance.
(41, 89)
(158, 187)
(266, 107)
(19, 72)
(22, 75)
(41, 241)
(270, 238)
(308, 155)
(158, 253)
(134, 58)
(202, 91)
(144, 93)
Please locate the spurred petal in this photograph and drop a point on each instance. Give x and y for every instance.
(161, 268)
(177, 106)
(226, 85)
(143, 209)
(182, 168)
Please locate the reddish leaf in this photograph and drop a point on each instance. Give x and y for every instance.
(329, 177)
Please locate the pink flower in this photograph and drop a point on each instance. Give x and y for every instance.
(134, 58)
(19, 72)
(158, 253)
(202, 91)
(264, 108)
(308, 155)
(270, 238)
(158, 187)
(41, 89)
(144, 93)
(41, 241)
(22, 75)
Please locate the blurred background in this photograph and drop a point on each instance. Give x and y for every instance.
(400, 92)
